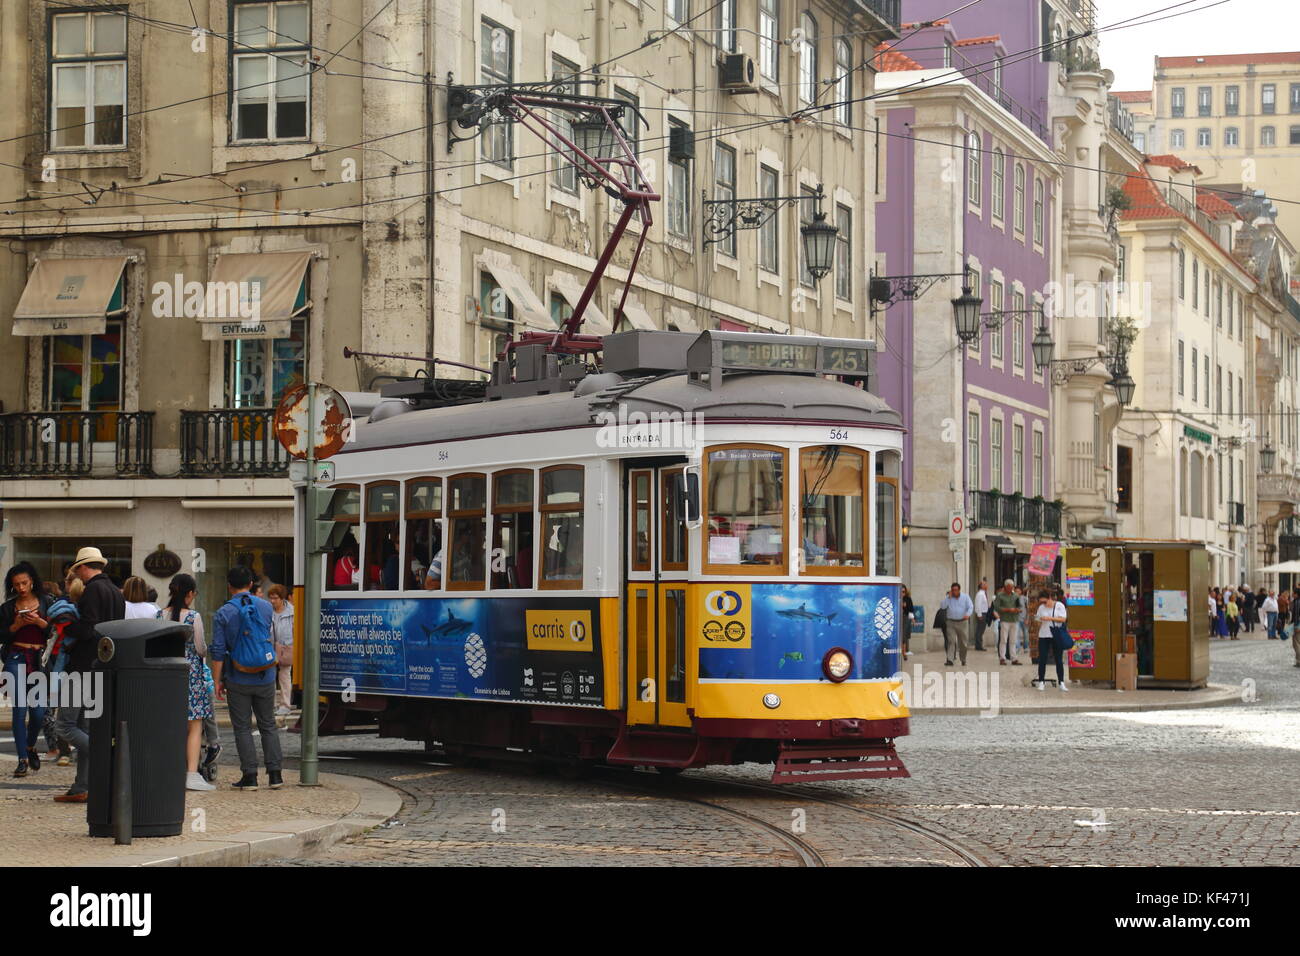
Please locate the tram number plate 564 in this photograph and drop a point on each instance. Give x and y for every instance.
(839, 434)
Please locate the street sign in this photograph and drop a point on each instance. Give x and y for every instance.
(958, 531)
(326, 435)
(298, 471)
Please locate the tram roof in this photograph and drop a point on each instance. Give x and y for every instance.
(756, 397)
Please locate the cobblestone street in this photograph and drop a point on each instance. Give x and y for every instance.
(1204, 787)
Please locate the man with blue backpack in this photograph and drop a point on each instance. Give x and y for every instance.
(242, 640)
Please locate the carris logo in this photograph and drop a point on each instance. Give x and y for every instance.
(726, 603)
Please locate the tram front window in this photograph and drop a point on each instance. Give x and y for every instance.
(562, 538)
(512, 530)
(466, 508)
(746, 507)
(832, 520)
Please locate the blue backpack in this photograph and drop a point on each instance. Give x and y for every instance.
(252, 651)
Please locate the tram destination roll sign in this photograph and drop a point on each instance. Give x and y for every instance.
(764, 352)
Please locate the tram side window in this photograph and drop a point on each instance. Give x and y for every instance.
(382, 536)
(467, 511)
(424, 554)
(344, 571)
(562, 537)
(887, 505)
(832, 510)
(512, 530)
(745, 508)
(673, 535)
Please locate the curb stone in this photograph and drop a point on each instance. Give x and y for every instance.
(376, 804)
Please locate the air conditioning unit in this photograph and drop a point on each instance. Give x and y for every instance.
(681, 143)
(738, 73)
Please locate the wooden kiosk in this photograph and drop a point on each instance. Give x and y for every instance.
(1140, 598)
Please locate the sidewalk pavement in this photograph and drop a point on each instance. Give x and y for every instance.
(1015, 694)
(221, 711)
(222, 827)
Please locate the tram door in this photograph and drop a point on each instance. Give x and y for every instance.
(656, 598)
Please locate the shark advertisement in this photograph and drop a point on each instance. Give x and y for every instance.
(505, 649)
(782, 631)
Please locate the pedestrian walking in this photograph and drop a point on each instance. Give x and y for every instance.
(1283, 613)
(180, 608)
(1233, 614)
(1248, 610)
(1023, 595)
(242, 639)
(1007, 606)
(909, 615)
(1220, 617)
(282, 632)
(1051, 611)
(957, 609)
(100, 601)
(981, 613)
(1270, 614)
(24, 623)
(136, 594)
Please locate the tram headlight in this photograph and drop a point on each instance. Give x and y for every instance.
(895, 698)
(837, 664)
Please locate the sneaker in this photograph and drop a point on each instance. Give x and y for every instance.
(247, 783)
(211, 754)
(51, 754)
(71, 797)
(274, 779)
(282, 711)
(1039, 684)
(34, 759)
(63, 761)
(195, 781)
(1062, 685)
(21, 769)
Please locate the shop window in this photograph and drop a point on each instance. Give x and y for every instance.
(424, 554)
(887, 513)
(746, 509)
(83, 373)
(562, 526)
(344, 570)
(260, 371)
(382, 536)
(832, 510)
(467, 511)
(512, 530)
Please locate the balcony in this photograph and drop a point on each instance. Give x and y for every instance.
(1015, 513)
(979, 74)
(76, 444)
(1237, 513)
(231, 442)
(1121, 120)
(1085, 11)
(887, 11)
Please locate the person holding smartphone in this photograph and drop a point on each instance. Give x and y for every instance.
(24, 626)
(1051, 611)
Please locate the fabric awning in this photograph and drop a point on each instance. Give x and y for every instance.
(1286, 567)
(593, 320)
(251, 295)
(636, 316)
(70, 296)
(529, 310)
(683, 319)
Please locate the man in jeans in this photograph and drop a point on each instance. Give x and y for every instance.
(981, 613)
(247, 694)
(101, 601)
(957, 610)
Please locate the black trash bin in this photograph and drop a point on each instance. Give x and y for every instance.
(145, 684)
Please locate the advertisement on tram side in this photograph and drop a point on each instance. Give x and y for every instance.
(503, 649)
(782, 631)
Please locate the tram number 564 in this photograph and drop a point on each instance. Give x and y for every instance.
(648, 690)
(839, 434)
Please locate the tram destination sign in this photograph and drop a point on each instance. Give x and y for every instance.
(764, 352)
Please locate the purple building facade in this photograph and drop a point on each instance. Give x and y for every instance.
(970, 184)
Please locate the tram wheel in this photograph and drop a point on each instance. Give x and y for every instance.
(669, 771)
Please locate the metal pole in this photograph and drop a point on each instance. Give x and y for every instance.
(121, 798)
(309, 764)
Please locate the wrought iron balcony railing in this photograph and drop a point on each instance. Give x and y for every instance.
(40, 444)
(1015, 513)
(236, 442)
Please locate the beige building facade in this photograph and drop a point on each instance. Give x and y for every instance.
(159, 170)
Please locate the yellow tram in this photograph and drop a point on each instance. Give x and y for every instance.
(685, 556)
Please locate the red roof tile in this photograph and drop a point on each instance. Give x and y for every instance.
(1227, 59)
(1173, 162)
(994, 38)
(1212, 204)
(1133, 96)
(892, 61)
(1147, 202)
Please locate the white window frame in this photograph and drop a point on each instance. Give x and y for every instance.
(277, 55)
(89, 62)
